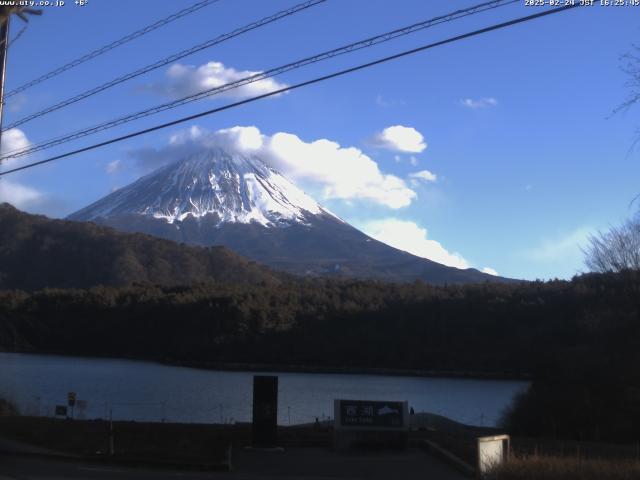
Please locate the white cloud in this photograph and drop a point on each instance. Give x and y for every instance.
(490, 271)
(383, 102)
(557, 256)
(183, 80)
(565, 248)
(17, 194)
(425, 175)
(245, 139)
(413, 160)
(14, 139)
(484, 102)
(400, 139)
(20, 196)
(408, 236)
(16, 102)
(337, 172)
(193, 133)
(114, 167)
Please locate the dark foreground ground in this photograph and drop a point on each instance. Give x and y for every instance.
(201, 445)
(42, 448)
(292, 463)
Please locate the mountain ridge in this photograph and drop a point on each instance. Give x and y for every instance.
(212, 197)
(38, 252)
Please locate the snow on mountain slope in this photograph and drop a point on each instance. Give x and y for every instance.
(235, 188)
(216, 197)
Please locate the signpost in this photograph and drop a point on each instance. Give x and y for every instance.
(265, 411)
(71, 401)
(61, 410)
(368, 423)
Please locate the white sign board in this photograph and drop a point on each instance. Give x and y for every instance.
(369, 423)
(492, 451)
(369, 414)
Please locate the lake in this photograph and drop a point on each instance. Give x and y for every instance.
(147, 391)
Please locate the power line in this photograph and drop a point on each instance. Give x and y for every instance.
(165, 61)
(298, 85)
(369, 42)
(260, 76)
(16, 37)
(99, 51)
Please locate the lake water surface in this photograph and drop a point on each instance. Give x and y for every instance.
(137, 390)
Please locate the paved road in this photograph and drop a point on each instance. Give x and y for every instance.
(293, 464)
(317, 463)
(33, 468)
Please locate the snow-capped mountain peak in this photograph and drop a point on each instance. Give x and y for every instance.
(218, 197)
(211, 182)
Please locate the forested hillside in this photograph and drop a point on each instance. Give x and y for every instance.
(37, 252)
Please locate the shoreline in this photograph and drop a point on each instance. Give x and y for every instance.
(310, 369)
(328, 369)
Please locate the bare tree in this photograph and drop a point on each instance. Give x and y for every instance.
(615, 250)
(619, 248)
(631, 67)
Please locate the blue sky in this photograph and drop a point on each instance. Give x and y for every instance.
(514, 129)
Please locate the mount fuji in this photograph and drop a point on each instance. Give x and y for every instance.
(218, 197)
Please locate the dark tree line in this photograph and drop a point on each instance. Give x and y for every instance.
(579, 339)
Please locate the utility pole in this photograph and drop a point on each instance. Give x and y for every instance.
(4, 38)
(5, 17)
